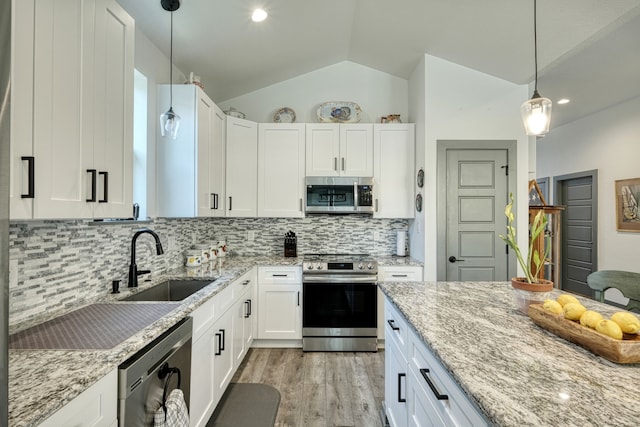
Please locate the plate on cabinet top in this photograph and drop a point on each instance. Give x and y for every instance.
(284, 115)
(339, 112)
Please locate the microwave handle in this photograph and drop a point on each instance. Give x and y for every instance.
(355, 195)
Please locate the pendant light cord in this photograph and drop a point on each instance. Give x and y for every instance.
(535, 44)
(171, 65)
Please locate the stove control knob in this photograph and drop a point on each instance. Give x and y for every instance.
(310, 267)
(319, 267)
(369, 267)
(360, 266)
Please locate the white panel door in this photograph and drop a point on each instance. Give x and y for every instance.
(223, 354)
(204, 132)
(280, 311)
(217, 162)
(242, 168)
(322, 149)
(281, 161)
(356, 150)
(202, 379)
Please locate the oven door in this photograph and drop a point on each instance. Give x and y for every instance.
(345, 307)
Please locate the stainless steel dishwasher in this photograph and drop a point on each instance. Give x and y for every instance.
(165, 362)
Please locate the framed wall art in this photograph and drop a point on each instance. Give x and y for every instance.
(627, 196)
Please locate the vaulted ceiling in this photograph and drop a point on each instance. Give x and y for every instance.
(588, 50)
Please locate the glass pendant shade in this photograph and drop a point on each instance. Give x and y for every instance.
(169, 123)
(536, 115)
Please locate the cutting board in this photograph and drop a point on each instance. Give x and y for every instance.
(619, 351)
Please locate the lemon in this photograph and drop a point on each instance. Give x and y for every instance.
(573, 310)
(590, 318)
(552, 306)
(627, 322)
(610, 328)
(564, 299)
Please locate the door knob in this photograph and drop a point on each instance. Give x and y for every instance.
(453, 259)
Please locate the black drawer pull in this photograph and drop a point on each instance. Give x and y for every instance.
(400, 398)
(392, 323)
(219, 350)
(280, 275)
(399, 275)
(223, 340)
(432, 386)
(247, 312)
(31, 184)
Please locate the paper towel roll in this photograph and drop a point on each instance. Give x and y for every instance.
(401, 243)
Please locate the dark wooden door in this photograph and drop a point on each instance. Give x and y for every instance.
(578, 193)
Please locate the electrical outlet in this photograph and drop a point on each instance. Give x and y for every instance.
(376, 236)
(251, 236)
(172, 243)
(13, 273)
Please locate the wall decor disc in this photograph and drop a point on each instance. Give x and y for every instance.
(419, 202)
(420, 179)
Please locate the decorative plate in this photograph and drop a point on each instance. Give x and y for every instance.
(419, 202)
(339, 112)
(235, 113)
(284, 115)
(420, 179)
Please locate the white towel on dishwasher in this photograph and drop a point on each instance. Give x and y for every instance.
(176, 415)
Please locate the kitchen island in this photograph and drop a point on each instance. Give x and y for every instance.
(516, 373)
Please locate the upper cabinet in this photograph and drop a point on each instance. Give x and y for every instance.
(242, 168)
(190, 168)
(339, 150)
(280, 169)
(394, 154)
(72, 108)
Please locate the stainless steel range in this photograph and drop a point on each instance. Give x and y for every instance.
(339, 303)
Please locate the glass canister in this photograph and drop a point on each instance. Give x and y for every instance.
(205, 251)
(193, 258)
(222, 248)
(213, 249)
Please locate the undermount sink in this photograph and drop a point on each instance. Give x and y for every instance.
(170, 290)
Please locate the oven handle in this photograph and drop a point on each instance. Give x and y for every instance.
(337, 279)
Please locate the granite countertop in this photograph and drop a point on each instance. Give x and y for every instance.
(517, 373)
(42, 381)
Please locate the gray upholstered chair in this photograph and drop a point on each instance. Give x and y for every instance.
(625, 281)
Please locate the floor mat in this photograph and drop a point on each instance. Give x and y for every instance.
(246, 405)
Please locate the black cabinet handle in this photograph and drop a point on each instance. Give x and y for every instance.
(213, 200)
(400, 398)
(246, 282)
(105, 186)
(247, 312)
(250, 310)
(219, 350)
(432, 386)
(230, 203)
(399, 275)
(93, 185)
(279, 275)
(298, 298)
(392, 323)
(31, 163)
(223, 340)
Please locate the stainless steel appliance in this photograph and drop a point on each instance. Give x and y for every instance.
(153, 372)
(338, 195)
(339, 303)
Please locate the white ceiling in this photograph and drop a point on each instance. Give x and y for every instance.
(588, 50)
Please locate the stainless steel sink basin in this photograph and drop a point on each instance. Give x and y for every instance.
(170, 290)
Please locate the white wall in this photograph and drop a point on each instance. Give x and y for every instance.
(377, 93)
(608, 141)
(461, 103)
(417, 115)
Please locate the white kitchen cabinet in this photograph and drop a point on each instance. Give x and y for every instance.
(339, 150)
(280, 303)
(203, 339)
(243, 313)
(281, 169)
(394, 157)
(190, 168)
(418, 389)
(223, 361)
(394, 273)
(72, 144)
(97, 406)
(242, 168)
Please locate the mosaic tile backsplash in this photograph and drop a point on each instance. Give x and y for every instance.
(62, 264)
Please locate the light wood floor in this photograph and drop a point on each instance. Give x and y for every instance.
(319, 389)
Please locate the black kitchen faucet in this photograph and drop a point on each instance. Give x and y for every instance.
(133, 268)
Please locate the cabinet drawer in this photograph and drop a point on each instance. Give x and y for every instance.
(396, 327)
(279, 275)
(456, 408)
(224, 300)
(203, 318)
(400, 274)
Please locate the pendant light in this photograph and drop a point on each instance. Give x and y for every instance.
(536, 112)
(170, 121)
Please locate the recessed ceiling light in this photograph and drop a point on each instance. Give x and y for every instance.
(563, 101)
(259, 15)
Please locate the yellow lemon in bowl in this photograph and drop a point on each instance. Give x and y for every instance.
(610, 328)
(573, 310)
(627, 322)
(565, 299)
(552, 306)
(590, 319)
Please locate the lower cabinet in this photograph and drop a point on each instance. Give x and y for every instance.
(418, 389)
(95, 407)
(223, 367)
(280, 302)
(394, 273)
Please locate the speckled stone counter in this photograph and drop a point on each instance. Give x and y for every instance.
(517, 373)
(42, 381)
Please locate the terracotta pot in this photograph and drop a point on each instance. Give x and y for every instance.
(521, 283)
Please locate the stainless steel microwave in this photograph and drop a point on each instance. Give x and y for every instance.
(338, 195)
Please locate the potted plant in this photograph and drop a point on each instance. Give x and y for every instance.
(530, 288)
